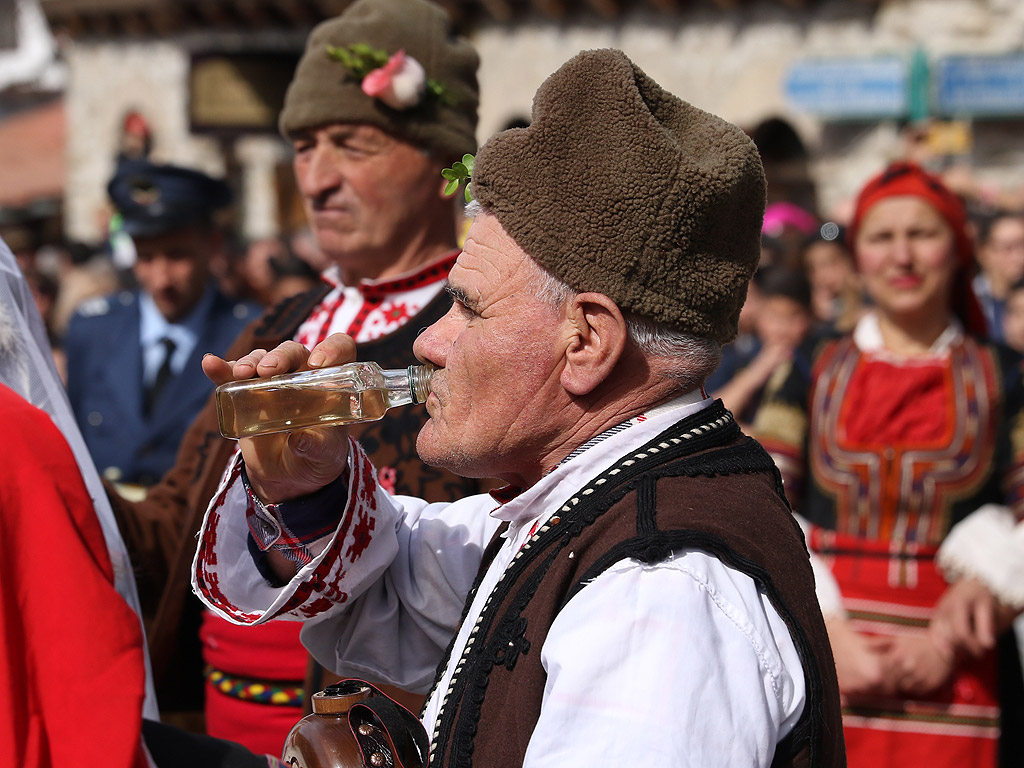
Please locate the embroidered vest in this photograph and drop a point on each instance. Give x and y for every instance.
(700, 484)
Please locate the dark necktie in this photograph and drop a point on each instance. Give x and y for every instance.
(163, 375)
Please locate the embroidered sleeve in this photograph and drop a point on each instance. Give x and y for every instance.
(333, 549)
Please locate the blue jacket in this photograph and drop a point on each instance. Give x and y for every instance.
(104, 364)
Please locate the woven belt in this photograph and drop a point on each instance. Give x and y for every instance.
(276, 692)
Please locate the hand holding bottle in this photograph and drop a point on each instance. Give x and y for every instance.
(289, 465)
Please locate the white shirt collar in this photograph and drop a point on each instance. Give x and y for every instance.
(547, 494)
(153, 327)
(867, 335)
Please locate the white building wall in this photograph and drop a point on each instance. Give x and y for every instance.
(733, 64)
(106, 81)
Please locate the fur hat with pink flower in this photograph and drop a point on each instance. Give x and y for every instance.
(396, 64)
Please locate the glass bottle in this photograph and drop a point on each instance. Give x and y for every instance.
(343, 394)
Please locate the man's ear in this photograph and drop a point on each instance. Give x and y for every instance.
(598, 339)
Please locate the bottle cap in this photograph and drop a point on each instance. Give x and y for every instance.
(338, 699)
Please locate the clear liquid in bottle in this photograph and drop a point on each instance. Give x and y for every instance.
(342, 395)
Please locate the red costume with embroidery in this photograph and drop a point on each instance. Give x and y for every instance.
(883, 455)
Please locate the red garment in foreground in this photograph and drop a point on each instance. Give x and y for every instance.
(72, 679)
(252, 709)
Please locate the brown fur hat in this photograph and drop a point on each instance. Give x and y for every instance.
(619, 187)
(324, 91)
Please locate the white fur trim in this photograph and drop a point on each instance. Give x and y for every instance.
(987, 545)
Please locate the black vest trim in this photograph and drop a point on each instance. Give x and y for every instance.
(283, 318)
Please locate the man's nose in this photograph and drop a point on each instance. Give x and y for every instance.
(321, 172)
(427, 348)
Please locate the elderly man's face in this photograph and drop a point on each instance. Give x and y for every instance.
(495, 404)
(366, 193)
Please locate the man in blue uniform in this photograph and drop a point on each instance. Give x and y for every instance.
(134, 375)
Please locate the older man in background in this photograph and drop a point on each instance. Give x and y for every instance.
(639, 594)
(368, 168)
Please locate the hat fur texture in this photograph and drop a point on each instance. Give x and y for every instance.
(323, 91)
(619, 187)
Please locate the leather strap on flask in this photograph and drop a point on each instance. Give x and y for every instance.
(388, 734)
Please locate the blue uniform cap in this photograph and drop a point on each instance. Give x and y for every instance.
(156, 199)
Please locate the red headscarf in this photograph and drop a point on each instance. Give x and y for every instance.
(908, 179)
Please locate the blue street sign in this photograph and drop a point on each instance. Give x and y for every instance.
(850, 88)
(980, 85)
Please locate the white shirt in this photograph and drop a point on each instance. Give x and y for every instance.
(681, 663)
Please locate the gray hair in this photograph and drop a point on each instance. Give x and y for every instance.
(689, 359)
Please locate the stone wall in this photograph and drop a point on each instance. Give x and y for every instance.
(106, 81)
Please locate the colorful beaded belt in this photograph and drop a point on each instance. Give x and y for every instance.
(274, 692)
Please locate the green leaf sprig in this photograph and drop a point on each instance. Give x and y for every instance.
(460, 172)
(361, 59)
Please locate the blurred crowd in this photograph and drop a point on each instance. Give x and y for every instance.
(878, 360)
(65, 275)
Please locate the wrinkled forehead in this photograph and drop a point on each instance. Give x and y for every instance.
(492, 262)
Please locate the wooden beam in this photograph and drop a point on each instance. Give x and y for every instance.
(606, 9)
(331, 8)
(101, 24)
(552, 9)
(297, 12)
(135, 24)
(253, 13)
(500, 10)
(165, 19)
(665, 6)
(210, 11)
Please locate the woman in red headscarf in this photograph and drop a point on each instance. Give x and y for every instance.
(887, 439)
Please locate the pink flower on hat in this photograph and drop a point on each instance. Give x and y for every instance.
(399, 83)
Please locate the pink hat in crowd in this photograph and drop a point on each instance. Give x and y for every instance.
(778, 216)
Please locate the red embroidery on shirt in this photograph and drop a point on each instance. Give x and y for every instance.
(325, 327)
(361, 537)
(319, 605)
(207, 579)
(387, 477)
(432, 274)
(396, 313)
(364, 311)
